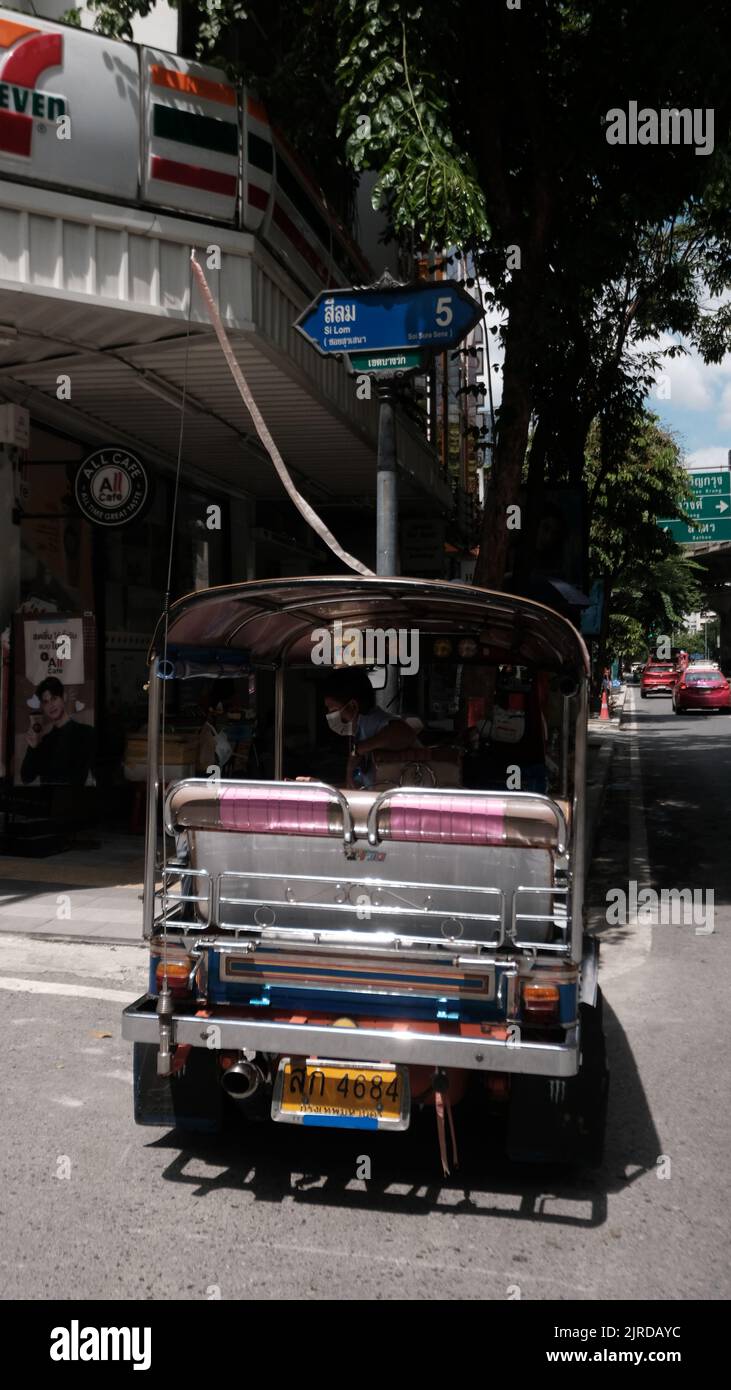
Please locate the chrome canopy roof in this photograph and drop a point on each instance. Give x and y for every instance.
(273, 619)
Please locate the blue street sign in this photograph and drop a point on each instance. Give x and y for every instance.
(424, 315)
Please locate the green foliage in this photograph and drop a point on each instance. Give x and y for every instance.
(651, 580)
(114, 17)
(398, 121)
(626, 635)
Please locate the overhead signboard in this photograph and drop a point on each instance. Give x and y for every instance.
(69, 107)
(709, 510)
(425, 315)
(191, 155)
(703, 532)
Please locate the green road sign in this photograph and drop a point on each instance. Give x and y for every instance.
(391, 362)
(703, 532)
(716, 484)
(710, 508)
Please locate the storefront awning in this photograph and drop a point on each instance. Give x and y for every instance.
(95, 341)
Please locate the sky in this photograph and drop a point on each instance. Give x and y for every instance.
(692, 400)
(694, 403)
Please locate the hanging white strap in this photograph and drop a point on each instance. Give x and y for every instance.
(302, 506)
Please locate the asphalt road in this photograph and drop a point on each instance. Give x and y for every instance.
(93, 1207)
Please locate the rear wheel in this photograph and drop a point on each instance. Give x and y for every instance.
(564, 1120)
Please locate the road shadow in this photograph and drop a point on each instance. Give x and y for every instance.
(320, 1168)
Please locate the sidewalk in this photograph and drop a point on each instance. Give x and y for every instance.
(83, 894)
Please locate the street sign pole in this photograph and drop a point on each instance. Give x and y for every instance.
(388, 331)
(387, 483)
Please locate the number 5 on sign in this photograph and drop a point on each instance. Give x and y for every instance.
(444, 311)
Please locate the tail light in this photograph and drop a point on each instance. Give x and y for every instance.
(177, 965)
(540, 1003)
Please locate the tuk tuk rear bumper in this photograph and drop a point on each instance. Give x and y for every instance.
(140, 1023)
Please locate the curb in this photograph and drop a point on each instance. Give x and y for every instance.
(596, 792)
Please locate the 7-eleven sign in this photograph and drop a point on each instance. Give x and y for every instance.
(25, 54)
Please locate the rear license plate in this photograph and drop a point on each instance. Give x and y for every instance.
(328, 1095)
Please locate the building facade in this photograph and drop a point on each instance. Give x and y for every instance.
(116, 161)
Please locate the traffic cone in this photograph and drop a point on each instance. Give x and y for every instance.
(605, 706)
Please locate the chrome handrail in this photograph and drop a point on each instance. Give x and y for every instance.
(563, 947)
(370, 886)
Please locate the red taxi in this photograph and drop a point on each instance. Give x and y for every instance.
(658, 678)
(701, 687)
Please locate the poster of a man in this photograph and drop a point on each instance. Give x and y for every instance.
(54, 739)
(59, 748)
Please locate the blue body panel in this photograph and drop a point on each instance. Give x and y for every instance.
(255, 989)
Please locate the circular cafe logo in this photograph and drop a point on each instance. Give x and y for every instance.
(112, 487)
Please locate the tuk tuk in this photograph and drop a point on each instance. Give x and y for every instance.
(341, 943)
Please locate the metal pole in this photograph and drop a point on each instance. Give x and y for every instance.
(278, 723)
(565, 736)
(153, 740)
(578, 826)
(387, 487)
(387, 516)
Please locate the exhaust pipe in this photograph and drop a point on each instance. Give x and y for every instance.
(242, 1080)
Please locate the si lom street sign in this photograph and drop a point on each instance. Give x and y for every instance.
(423, 315)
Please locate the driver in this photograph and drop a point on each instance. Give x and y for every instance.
(352, 712)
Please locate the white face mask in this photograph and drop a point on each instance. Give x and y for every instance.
(338, 724)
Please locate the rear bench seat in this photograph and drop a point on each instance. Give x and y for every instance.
(304, 809)
(254, 810)
(468, 820)
(237, 829)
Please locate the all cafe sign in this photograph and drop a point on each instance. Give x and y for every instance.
(112, 487)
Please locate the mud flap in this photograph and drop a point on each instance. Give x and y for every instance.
(189, 1099)
(554, 1120)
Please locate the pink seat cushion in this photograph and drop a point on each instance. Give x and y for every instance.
(278, 812)
(448, 820)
